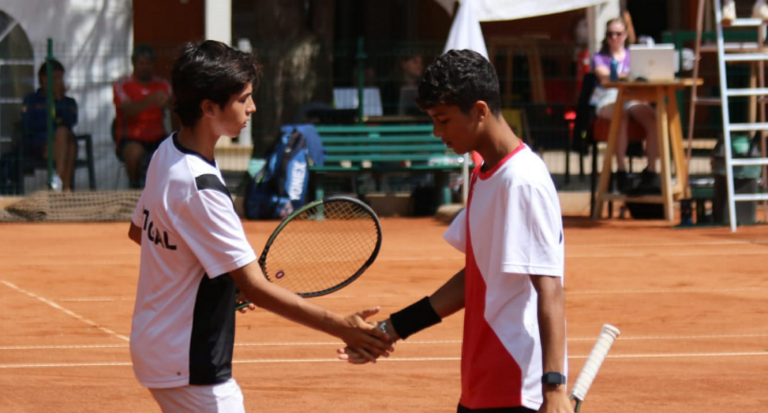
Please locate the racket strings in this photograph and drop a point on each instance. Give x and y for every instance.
(322, 247)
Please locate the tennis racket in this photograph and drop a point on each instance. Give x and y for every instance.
(322, 247)
(594, 361)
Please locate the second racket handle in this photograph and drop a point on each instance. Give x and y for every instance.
(594, 361)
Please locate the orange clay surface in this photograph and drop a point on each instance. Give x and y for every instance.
(692, 306)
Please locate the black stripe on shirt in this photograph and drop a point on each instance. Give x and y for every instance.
(212, 182)
(213, 331)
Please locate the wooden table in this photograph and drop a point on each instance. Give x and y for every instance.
(670, 134)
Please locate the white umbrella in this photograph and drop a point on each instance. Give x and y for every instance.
(466, 32)
(495, 10)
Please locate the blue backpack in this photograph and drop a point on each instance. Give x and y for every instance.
(281, 186)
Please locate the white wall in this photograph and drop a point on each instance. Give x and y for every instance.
(218, 20)
(597, 17)
(93, 40)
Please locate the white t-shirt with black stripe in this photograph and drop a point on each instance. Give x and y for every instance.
(184, 319)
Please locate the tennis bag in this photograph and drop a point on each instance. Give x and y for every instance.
(281, 186)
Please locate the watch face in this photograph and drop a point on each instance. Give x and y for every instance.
(553, 378)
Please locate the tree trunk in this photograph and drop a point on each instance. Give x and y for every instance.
(293, 40)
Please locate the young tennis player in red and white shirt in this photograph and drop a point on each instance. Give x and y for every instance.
(194, 252)
(514, 347)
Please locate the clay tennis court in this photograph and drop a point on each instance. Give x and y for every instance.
(692, 306)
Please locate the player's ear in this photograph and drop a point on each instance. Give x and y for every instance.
(208, 108)
(482, 111)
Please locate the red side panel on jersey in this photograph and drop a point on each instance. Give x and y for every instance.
(490, 377)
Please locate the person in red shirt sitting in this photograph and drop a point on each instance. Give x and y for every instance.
(140, 103)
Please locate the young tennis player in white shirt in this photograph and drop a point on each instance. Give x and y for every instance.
(511, 288)
(194, 252)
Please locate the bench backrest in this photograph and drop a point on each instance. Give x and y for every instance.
(359, 144)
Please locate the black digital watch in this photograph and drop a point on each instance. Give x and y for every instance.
(553, 378)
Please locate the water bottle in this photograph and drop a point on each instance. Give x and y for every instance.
(614, 70)
(56, 183)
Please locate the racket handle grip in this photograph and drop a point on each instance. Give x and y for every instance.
(594, 361)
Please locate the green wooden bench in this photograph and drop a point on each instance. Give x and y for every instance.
(357, 149)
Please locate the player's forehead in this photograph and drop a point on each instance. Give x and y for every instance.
(245, 91)
(616, 26)
(144, 60)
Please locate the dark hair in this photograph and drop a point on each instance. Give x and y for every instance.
(461, 78)
(55, 64)
(209, 70)
(143, 50)
(606, 48)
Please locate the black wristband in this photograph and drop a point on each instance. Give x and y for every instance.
(414, 318)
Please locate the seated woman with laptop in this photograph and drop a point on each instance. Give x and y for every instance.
(612, 62)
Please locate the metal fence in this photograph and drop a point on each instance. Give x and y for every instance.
(300, 78)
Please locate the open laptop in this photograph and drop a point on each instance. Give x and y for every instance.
(347, 98)
(652, 62)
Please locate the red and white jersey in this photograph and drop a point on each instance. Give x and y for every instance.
(512, 228)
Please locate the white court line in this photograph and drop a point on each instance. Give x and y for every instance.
(653, 254)
(112, 299)
(702, 337)
(575, 292)
(95, 299)
(457, 256)
(44, 365)
(668, 244)
(672, 254)
(590, 339)
(391, 359)
(677, 291)
(67, 261)
(65, 311)
(64, 347)
(679, 355)
(410, 342)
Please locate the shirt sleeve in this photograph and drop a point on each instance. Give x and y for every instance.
(626, 64)
(167, 86)
(120, 95)
(138, 213)
(211, 228)
(532, 233)
(456, 234)
(601, 60)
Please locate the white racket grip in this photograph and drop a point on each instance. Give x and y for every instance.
(594, 361)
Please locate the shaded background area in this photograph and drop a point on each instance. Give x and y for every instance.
(310, 47)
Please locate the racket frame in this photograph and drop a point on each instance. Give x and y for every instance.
(319, 203)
